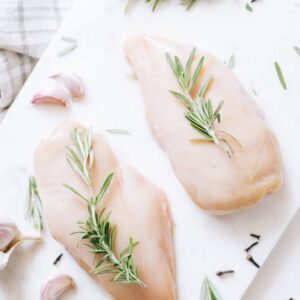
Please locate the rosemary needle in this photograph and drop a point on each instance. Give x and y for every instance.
(67, 50)
(280, 75)
(34, 204)
(97, 230)
(117, 131)
(200, 113)
(231, 63)
(208, 291)
(68, 39)
(297, 49)
(249, 7)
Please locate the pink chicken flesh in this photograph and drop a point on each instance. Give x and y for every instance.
(215, 182)
(138, 209)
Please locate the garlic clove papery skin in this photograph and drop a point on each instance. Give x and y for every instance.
(52, 92)
(8, 233)
(57, 286)
(10, 238)
(72, 82)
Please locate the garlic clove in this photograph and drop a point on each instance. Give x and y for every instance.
(10, 238)
(5, 255)
(8, 233)
(72, 82)
(57, 286)
(52, 92)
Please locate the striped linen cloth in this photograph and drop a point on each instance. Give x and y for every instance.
(26, 27)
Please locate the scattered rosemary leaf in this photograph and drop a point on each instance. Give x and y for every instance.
(117, 131)
(68, 39)
(297, 49)
(280, 75)
(231, 63)
(254, 92)
(34, 204)
(208, 291)
(67, 50)
(249, 7)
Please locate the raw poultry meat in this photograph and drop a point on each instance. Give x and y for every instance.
(138, 209)
(215, 182)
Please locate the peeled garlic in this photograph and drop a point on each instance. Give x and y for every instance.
(10, 238)
(52, 92)
(71, 82)
(56, 286)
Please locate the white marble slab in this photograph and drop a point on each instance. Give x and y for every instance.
(204, 244)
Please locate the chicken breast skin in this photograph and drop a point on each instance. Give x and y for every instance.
(214, 182)
(138, 209)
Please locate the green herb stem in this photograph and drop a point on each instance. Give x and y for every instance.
(34, 205)
(186, 3)
(200, 113)
(97, 230)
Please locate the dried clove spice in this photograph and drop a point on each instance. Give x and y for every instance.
(221, 273)
(251, 246)
(58, 258)
(257, 236)
(251, 259)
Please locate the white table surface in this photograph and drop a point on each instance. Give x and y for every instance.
(279, 278)
(256, 39)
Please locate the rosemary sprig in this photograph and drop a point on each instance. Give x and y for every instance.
(97, 230)
(200, 113)
(208, 291)
(186, 3)
(34, 205)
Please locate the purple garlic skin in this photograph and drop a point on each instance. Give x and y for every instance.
(52, 92)
(8, 233)
(72, 82)
(10, 238)
(56, 287)
(59, 89)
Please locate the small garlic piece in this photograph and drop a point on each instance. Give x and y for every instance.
(10, 238)
(57, 286)
(8, 233)
(72, 82)
(52, 92)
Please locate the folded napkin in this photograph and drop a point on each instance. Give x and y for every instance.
(26, 27)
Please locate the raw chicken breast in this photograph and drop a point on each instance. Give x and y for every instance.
(138, 209)
(215, 182)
